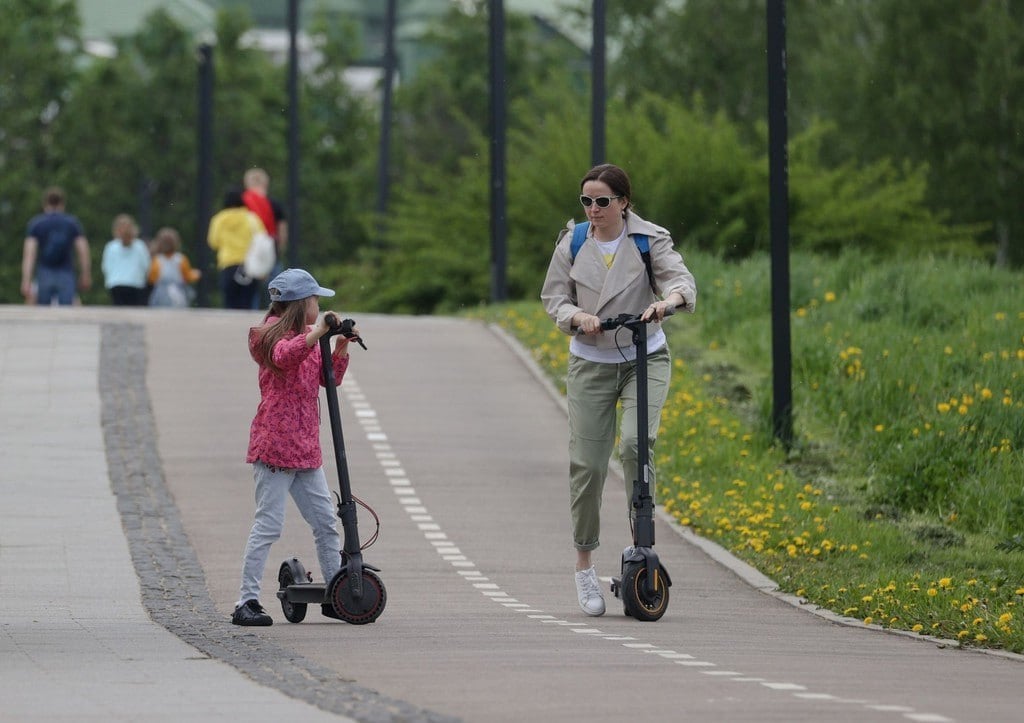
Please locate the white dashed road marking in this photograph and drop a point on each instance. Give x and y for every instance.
(450, 552)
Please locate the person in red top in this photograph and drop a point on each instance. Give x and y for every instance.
(284, 439)
(257, 199)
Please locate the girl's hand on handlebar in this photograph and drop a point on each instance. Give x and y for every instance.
(317, 330)
(323, 325)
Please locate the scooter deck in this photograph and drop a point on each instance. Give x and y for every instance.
(309, 593)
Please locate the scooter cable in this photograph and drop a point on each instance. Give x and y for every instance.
(373, 513)
(376, 519)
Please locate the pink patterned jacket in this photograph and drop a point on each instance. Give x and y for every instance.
(286, 429)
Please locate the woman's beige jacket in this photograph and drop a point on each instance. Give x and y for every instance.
(588, 285)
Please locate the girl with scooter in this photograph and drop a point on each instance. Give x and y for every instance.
(616, 263)
(284, 439)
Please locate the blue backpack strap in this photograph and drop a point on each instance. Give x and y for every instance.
(579, 235)
(643, 245)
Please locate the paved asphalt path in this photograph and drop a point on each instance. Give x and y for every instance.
(460, 449)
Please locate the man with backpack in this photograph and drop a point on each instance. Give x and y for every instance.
(53, 240)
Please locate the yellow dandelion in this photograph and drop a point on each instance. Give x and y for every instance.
(918, 628)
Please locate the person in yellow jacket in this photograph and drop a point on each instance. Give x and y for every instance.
(231, 231)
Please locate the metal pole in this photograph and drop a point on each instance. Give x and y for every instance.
(597, 85)
(147, 186)
(384, 156)
(293, 134)
(778, 184)
(204, 167)
(497, 102)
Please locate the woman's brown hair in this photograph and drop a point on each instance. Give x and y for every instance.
(291, 319)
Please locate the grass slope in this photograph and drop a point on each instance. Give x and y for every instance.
(901, 503)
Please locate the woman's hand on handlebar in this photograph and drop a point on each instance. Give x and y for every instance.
(586, 323)
(660, 309)
(656, 311)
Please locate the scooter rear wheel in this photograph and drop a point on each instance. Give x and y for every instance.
(637, 603)
(360, 611)
(290, 573)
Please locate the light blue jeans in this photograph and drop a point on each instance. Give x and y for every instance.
(308, 487)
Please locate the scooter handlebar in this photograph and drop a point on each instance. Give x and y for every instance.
(342, 326)
(630, 319)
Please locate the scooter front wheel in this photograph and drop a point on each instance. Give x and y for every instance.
(359, 611)
(291, 572)
(644, 606)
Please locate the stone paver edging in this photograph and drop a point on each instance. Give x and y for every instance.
(173, 586)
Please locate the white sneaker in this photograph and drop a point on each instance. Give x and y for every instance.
(588, 590)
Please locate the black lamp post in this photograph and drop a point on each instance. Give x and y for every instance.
(597, 85)
(389, 62)
(294, 234)
(778, 185)
(499, 229)
(205, 166)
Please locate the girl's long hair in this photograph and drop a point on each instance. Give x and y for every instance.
(291, 319)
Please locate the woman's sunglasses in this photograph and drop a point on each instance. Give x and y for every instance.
(601, 201)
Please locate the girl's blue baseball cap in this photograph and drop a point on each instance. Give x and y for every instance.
(295, 284)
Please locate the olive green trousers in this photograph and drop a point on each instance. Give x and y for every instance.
(593, 391)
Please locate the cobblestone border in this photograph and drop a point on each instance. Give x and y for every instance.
(173, 585)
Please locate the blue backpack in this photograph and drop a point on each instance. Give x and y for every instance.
(643, 245)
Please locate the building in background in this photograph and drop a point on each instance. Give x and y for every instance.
(105, 20)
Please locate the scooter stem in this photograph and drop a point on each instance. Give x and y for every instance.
(351, 552)
(642, 500)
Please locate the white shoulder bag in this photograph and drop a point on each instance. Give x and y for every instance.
(259, 259)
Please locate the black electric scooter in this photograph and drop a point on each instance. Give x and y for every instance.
(355, 594)
(643, 584)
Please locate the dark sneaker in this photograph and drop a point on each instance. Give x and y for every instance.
(328, 610)
(251, 613)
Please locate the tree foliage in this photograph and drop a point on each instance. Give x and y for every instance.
(903, 134)
(38, 43)
(943, 88)
(933, 83)
(112, 131)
